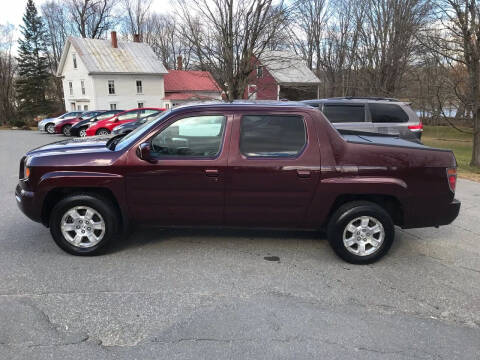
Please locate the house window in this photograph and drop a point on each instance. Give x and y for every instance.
(74, 61)
(139, 87)
(79, 107)
(167, 106)
(259, 71)
(72, 106)
(140, 105)
(82, 84)
(113, 106)
(111, 87)
(85, 107)
(70, 87)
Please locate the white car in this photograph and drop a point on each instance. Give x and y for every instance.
(48, 124)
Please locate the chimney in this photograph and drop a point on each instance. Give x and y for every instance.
(136, 38)
(113, 34)
(179, 62)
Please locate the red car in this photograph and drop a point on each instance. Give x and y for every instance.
(64, 126)
(105, 127)
(272, 165)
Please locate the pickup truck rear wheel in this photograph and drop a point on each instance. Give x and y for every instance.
(360, 232)
(83, 224)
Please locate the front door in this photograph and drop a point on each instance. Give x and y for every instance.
(186, 183)
(273, 169)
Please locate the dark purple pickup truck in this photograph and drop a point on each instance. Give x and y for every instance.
(269, 165)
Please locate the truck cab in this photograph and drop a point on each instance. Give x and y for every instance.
(269, 165)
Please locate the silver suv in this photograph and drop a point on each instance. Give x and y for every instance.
(371, 114)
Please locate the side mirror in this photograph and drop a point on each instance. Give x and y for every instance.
(144, 152)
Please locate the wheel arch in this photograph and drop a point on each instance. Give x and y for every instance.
(391, 204)
(59, 193)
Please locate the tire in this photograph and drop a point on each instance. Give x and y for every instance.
(85, 244)
(50, 128)
(102, 132)
(82, 132)
(357, 222)
(66, 130)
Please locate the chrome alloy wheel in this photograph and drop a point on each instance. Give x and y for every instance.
(83, 132)
(50, 129)
(103, 132)
(82, 226)
(363, 235)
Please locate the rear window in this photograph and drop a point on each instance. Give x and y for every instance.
(272, 135)
(387, 113)
(344, 113)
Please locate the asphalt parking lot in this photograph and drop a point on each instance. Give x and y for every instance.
(217, 294)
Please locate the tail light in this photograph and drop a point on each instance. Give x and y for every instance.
(416, 127)
(452, 178)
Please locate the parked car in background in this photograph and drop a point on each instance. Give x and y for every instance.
(80, 128)
(64, 126)
(377, 115)
(48, 124)
(130, 126)
(277, 165)
(105, 127)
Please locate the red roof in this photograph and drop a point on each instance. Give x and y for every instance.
(181, 80)
(186, 96)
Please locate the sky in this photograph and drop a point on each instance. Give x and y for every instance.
(11, 11)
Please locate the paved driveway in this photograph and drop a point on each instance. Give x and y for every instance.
(191, 294)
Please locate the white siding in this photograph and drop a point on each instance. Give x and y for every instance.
(75, 76)
(126, 96)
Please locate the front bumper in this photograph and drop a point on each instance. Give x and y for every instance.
(41, 127)
(27, 204)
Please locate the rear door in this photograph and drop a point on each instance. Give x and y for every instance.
(388, 118)
(273, 169)
(348, 116)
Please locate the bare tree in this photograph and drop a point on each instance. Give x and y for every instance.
(455, 35)
(311, 20)
(163, 34)
(387, 40)
(227, 36)
(92, 18)
(7, 73)
(137, 16)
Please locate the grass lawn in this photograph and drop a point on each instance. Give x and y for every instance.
(446, 137)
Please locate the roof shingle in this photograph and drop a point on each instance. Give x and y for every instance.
(100, 57)
(181, 80)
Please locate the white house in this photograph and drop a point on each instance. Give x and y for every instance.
(103, 74)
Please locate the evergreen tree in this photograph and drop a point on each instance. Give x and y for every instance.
(33, 72)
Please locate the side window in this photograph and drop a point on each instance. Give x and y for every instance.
(128, 116)
(272, 135)
(387, 113)
(344, 113)
(196, 136)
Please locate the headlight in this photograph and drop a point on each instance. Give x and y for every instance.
(25, 168)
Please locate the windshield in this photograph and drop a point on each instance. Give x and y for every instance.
(141, 130)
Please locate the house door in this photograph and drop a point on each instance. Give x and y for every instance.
(72, 106)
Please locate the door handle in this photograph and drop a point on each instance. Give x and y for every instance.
(304, 173)
(212, 172)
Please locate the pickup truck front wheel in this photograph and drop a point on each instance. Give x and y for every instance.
(83, 224)
(360, 232)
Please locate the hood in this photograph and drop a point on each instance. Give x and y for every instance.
(44, 121)
(73, 145)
